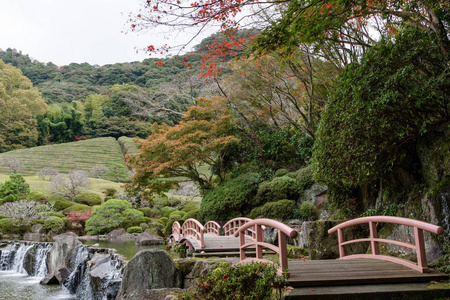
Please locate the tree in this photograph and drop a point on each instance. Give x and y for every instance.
(15, 164)
(25, 212)
(201, 139)
(98, 170)
(20, 104)
(111, 215)
(69, 185)
(75, 217)
(47, 172)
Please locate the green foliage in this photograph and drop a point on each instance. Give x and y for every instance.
(134, 218)
(166, 210)
(89, 199)
(443, 263)
(144, 226)
(37, 196)
(8, 226)
(244, 282)
(77, 208)
(175, 217)
(264, 193)
(396, 93)
(110, 192)
(54, 224)
(307, 211)
(305, 177)
(108, 216)
(191, 214)
(177, 212)
(9, 192)
(231, 199)
(281, 172)
(285, 187)
(147, 211)
(190, 205)
(22, 185)
(164, 220)
(168, 227)
(134, 229)
(281, 210)
(61, 204)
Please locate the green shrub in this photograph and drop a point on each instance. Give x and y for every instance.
(164, 220)
(134, 229)
(62, 204)
(168, 227)
(136, 221)
(281, 172)
(147, 211)
(7, 226)
(166, 210)
(232, 199)
(264, 193)
(90, 199)
(242, 281)
(285, 187)
(177, 212)
(54, 224)
(58, 215)
(36, 196)
(144, 226)
(110, 192)
(191, 214)
(190, 205)
(307, 211)
(158, 227)
(22, 185)
(281, 210)
(156, 213)
(305, 177)
(77, 208)
(9, 192)
(175, 217)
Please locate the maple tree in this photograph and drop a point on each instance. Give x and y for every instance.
(200, 139)
(76, 217)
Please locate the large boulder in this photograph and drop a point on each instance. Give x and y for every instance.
(149, 239)
(116, 233)
(105, 276)
(61, 257)
(148, 270)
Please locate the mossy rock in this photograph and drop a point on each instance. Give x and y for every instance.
(296, 252)
(185, 266)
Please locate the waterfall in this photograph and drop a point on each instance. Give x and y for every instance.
(40, 267)
(25, 258)
(445, 199)
(19, 257)
(78, 269)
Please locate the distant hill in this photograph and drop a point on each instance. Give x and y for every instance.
(81, 155)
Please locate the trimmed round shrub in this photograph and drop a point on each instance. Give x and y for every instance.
(110, 192)
(7, 226)
(168, 228)
(55, 197)
(147, 211)
(36, 196)
(54, 224)
(62, 204)
(134, 229)
(175, 217)
(90, 199)
(166, 210)
(285, 187)
(305, 177)
(191, 214)
(281, 172)
(232, 199)
(164, 220)
(177, 212)
(264, 193)
(77, 208)
(307, 211)
(132, 222)
(144, 226)
(58, 215)
(190, 205)
(281, 210)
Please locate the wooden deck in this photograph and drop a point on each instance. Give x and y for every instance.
(360, 271)
(214, 243)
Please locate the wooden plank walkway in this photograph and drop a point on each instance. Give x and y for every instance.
(355, 272)
(214, 243)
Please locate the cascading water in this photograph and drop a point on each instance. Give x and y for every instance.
(40, 267)
(445, 199)
(78, 269)
(18, 262)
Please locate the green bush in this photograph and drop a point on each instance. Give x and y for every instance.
(22, 185)
(135, 221)
(191, 214)
(190, 205)
(239, 282)
(285, 187)
(307, 211)
(177, 212)
(7, 226)
(54, 224)
(110, 192)
(281, 172)
(36, 196)
(58, 215)
(9, 192)
(175, 217)
(168, 227)
(305, 177)
(166, 210)
(232, 199)
(144, 226)
(134, 229)
(264, 193)
(281, 210)
(62, 204)
(164, 220)
(90, 199)
(147, 211)
(77, 208)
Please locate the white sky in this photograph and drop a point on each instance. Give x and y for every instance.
(65, 31)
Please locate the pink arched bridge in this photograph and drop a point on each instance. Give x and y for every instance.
(245, 235)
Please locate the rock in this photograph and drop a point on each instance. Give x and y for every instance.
(126, 237)
(116, 233)
(200, 268)
(149, 239)
(316, 194)
(155, 294)
(49, 279)
(37, 228)
(34, 237)
(62, 274)
(149, 269)
(105, 277)
(30, 260)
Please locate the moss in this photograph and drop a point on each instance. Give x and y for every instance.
(185, 266)
(437, 188)
(296, 252)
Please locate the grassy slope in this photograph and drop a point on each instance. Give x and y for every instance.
(81, 155)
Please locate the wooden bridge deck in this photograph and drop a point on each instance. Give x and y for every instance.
(214, 243)
(359, 271)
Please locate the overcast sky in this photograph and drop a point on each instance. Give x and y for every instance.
(65, 31)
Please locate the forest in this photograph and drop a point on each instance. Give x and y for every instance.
(349, 97)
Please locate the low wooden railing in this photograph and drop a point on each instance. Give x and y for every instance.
(212, 227)
(176, 231)
(283, 231)
(419, 245)
(233, 225)
(194, 229)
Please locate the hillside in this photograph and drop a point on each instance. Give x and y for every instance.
(81, 155)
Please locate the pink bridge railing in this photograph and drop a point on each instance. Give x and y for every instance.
(212, 227)
(176, 230)
(194, 229)
(419, 245)
(233, 225)
(258, 224)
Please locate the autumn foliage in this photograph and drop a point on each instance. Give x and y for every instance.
(75, 217)
(200, 140)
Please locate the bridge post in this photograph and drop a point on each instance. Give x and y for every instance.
(374, 235)
(420, 248)
(241, 242)
(283, 253)
(340, 241)
(259, 239)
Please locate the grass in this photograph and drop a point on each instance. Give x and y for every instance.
(81, 155)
